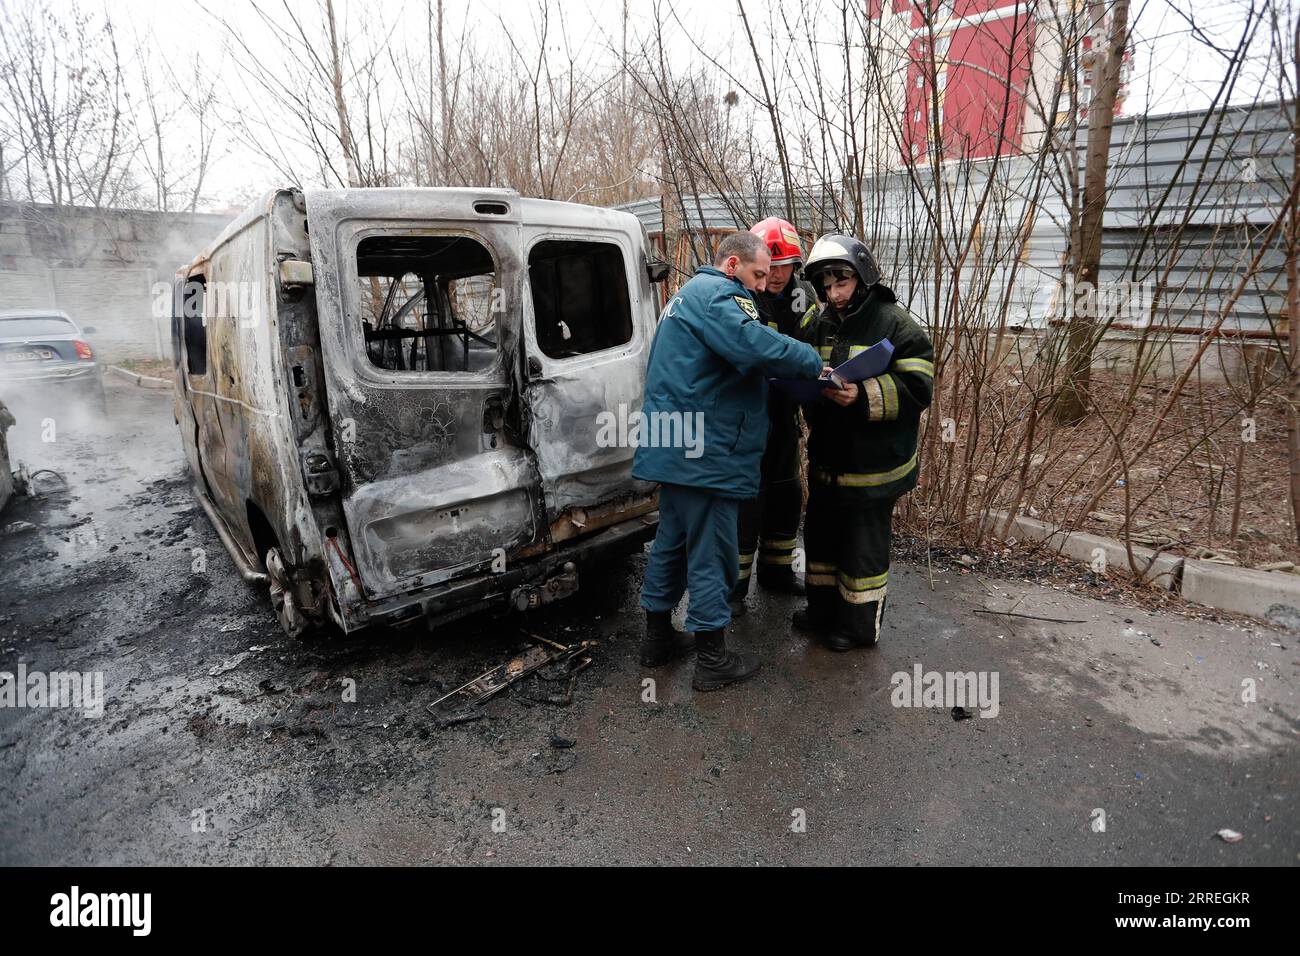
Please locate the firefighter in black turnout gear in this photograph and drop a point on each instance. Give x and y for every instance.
(862, 443)
(769, 524)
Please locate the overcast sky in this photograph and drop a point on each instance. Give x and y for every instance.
(1172, 71)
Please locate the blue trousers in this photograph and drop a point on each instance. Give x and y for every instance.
(695, 548)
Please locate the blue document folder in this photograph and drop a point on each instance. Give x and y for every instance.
(866, 364)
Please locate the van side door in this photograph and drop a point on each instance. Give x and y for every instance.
(589, 321)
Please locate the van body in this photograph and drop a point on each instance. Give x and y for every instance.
(391, 400)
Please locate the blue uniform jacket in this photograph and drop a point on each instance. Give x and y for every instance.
(705, 411)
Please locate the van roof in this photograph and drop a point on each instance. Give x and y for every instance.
(253, 211)
(549, 212)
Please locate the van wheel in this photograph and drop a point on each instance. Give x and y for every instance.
(292, 621)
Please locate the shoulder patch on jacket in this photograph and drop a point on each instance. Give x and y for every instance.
(747, 305)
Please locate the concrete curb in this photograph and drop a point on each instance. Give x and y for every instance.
(1222, 586)
(144, 381)
(1243, 590)
(1087, 548)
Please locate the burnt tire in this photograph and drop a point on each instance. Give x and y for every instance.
(291, 618)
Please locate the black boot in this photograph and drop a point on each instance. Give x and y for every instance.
(663, 642)
(832, 637)
(804, 620)
(715, 666)
(855, 627)
(839, 641)
(781, 583)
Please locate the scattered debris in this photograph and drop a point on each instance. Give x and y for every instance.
(490, 683)
(1229, 836)
(1155, 539)
(1276, 566)
(1215, 555)
(1106, 517)
(462, 717)
(961, 713)
(563, 743)
(18, 527)
(45, 471)
(566, 670)
(1284, 616)
(1032, 617)
(230, 663)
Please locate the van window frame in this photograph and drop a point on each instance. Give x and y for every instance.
(350, 280)
(200, 276)
(618, 241)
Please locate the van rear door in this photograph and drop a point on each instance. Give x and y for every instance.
(418, 297)
(588, 323)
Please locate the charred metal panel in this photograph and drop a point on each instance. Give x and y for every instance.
(247, 420)
(576, 471)
(568, 396)
(435, 474)
(424, 528)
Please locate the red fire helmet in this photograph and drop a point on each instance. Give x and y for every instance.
(781, 239)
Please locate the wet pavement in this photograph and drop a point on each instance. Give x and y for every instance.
(222, 741)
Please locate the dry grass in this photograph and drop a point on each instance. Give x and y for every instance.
(1178, 495)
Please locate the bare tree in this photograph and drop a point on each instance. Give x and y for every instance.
(63, 106)
(175, 120)
(1108, 58)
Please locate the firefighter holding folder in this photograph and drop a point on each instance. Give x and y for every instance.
(862, 443)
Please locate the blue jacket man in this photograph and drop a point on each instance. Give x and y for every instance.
(704, 429)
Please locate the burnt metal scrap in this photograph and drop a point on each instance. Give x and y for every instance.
(465, 703)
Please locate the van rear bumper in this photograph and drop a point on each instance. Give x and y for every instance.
(529, 577)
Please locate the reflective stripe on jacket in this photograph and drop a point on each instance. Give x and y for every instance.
(871, 445)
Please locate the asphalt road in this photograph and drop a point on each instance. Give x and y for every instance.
(221, 741)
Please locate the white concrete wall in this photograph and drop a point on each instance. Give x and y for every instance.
(99, 266)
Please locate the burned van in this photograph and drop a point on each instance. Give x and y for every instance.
(390, 399)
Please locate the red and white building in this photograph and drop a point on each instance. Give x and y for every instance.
(997, 66)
